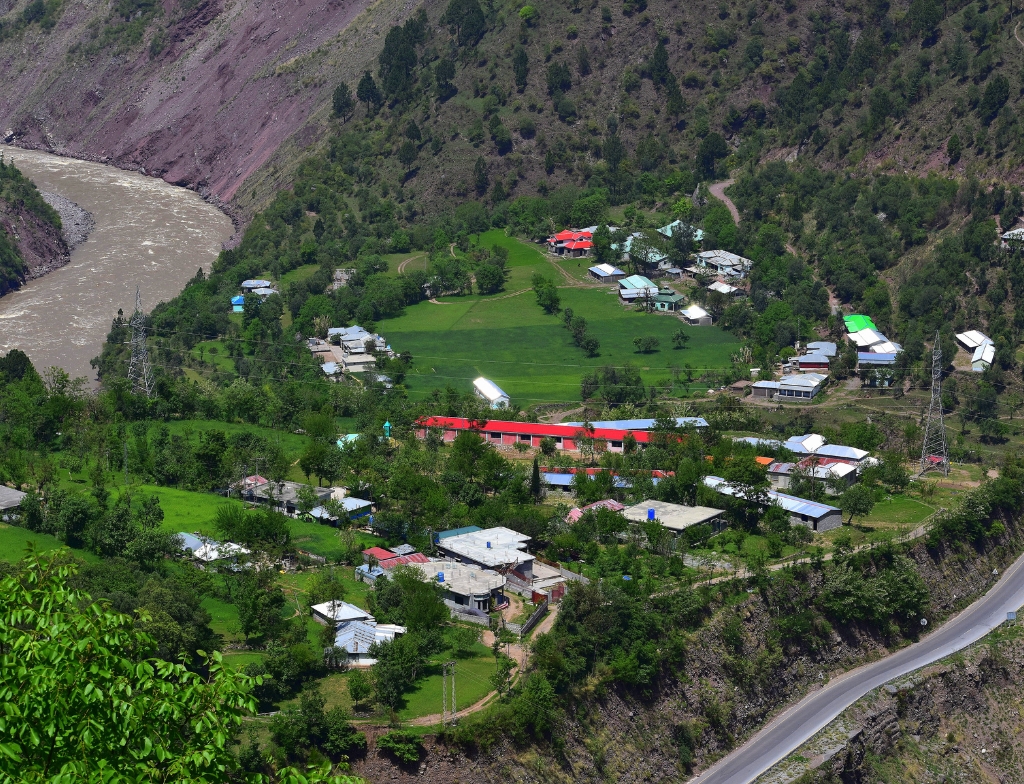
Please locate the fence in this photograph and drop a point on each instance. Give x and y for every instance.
(532, 621)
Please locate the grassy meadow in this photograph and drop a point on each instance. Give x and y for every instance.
(528, 353)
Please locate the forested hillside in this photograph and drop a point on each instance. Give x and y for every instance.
(30, 230)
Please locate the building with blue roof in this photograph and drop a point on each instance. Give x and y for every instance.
(469, 529)
(641, 424)
(816, 516)
(238, 303)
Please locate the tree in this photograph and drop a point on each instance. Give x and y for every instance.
(658, 64)
(602, 240)
(954, 148)
(466, 21)
(711, 150)
(858, 500)
(367, 91)
(480, 178)
(259, 603)
(680, 338)
(535, 487)
(360, 687)
(997, 92)
(407, 153)
(490, 278)
(645, 344)
(342, 102)
(520, 67)
(675, 104)
(614, 152)
(547, 294)
(308, 500)
(86, 700)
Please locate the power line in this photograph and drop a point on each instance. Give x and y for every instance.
(139, 370)
(933, 451)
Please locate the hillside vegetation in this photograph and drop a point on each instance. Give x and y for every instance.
(30, 229)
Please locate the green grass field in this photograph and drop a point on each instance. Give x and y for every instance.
(472, 683)
(896, 512)
(510, 340)
(14, 543)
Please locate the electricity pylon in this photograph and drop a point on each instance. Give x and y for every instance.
(139, 371)
(933, 452)
(448, 713)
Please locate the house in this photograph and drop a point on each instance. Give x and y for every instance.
(355, 509)
(558, 482)
(606, 272)
(695, 316)
(676, 226)
(402, 560)
(264, 292)
(492, 548)
(377, 553)
(668, 301)
(823, 347)
(490, 393)
(866, 338)
(282, 496)
(358, 362)
(741, 387)
(764, 389)
(403, 549)
(330, 368)
(636, 287)
(866, 359)
(337, 611)
(456, 532)
(238, 303)
(818, 517)
(10, 498)
(571, 242)
(857, 322)
(971, 339)
(812, 362)
(355, 638)
(207, 551)
(466, 586)
(675, 517)
(830, 472)
(653, 256)
(252, 285)
(1013, 235)
(722, 262)
(368, 574)
(578, 248)
(725, 288)
(805, 386)
(983, 357)
(576, 512)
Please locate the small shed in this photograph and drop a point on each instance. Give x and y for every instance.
(764, 389)
(741, 387)
(695, 316)
(984, 356)
(606, 272)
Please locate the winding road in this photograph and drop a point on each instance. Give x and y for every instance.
(787, 732)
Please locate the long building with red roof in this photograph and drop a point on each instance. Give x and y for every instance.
(500, 432)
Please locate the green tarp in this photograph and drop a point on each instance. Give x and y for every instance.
(856, 323)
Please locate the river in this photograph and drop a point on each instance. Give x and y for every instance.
(148, 233)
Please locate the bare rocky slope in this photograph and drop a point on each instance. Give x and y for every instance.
(201, 97)
(40, 244)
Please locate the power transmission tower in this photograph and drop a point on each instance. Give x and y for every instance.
(933, 451)
(448, 712)
(139, 371)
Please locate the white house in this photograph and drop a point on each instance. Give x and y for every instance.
(696, 316)
(724, 263)
(983, 357)
(466, 586)
(356, 637)
(490, 393)
(337, 611)
(606, 272)
(636, 287)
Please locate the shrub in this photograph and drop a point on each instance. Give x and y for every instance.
(402, 745)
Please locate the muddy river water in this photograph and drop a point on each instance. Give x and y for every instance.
(148, 234)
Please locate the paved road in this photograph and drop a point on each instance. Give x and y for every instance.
(802, 721)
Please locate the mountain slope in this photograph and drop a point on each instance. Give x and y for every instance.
(199, 92)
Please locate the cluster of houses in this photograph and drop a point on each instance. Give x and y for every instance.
(258, 288)
(350, 350)
(981, 348)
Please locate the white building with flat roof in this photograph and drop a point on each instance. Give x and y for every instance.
(676, 517)
(498, 548)
(337, 611)
(465, 585)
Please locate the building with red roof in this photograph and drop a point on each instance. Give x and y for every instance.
(571, 242)
(379, 553)
(400, 560)
(499, 432)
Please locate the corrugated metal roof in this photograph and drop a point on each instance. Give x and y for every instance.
(489, 390)
(869, 358)
(694, 312)
(803, 381)
(825, 347)
(557, 480)
(856, 322)
(972, 338)
(379, 553)
(528, 428)
(403, 549)
(790, 503)
(641, 424)
(403, 560)
(840, 451)
(637, 282)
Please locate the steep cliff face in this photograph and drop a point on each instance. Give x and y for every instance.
(39, 243)
(199, 92)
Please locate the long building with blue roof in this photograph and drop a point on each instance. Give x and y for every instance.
(816, 516)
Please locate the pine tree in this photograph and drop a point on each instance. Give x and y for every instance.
(675, 104)
(480, 177)
(520, 67)
(342, 102)
(367, 91)
(659, 64)
(535, 479)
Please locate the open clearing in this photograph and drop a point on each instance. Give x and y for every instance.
(529, 353)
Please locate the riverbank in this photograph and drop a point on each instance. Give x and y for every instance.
(77, 223)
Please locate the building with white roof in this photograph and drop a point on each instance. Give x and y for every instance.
(492, 548)
(971, 339)
(676, 226)
(805, 385)
(830, 472)
(337, 611)
(724, 263)
(606, 272)
(252, 285)
(465, 585)
(824, 347)
(356, 637)
(866, 338)
(984, 356)
(490, 393)
(695, 316)
(676, 517)
(640, 424)
(724, 288)
(818, 517)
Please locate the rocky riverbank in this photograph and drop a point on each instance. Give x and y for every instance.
(76, 222)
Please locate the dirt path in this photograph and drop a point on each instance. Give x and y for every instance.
(1017, 27)
(433, 301)
(404, 264)
(718, 191)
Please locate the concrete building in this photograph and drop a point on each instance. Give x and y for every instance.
(675, 517)
(499, 548)
(282, 496)
(668, 301)
(466, 586)
(817, 517)
(490, 393)
(806, 385)
(834, 474)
